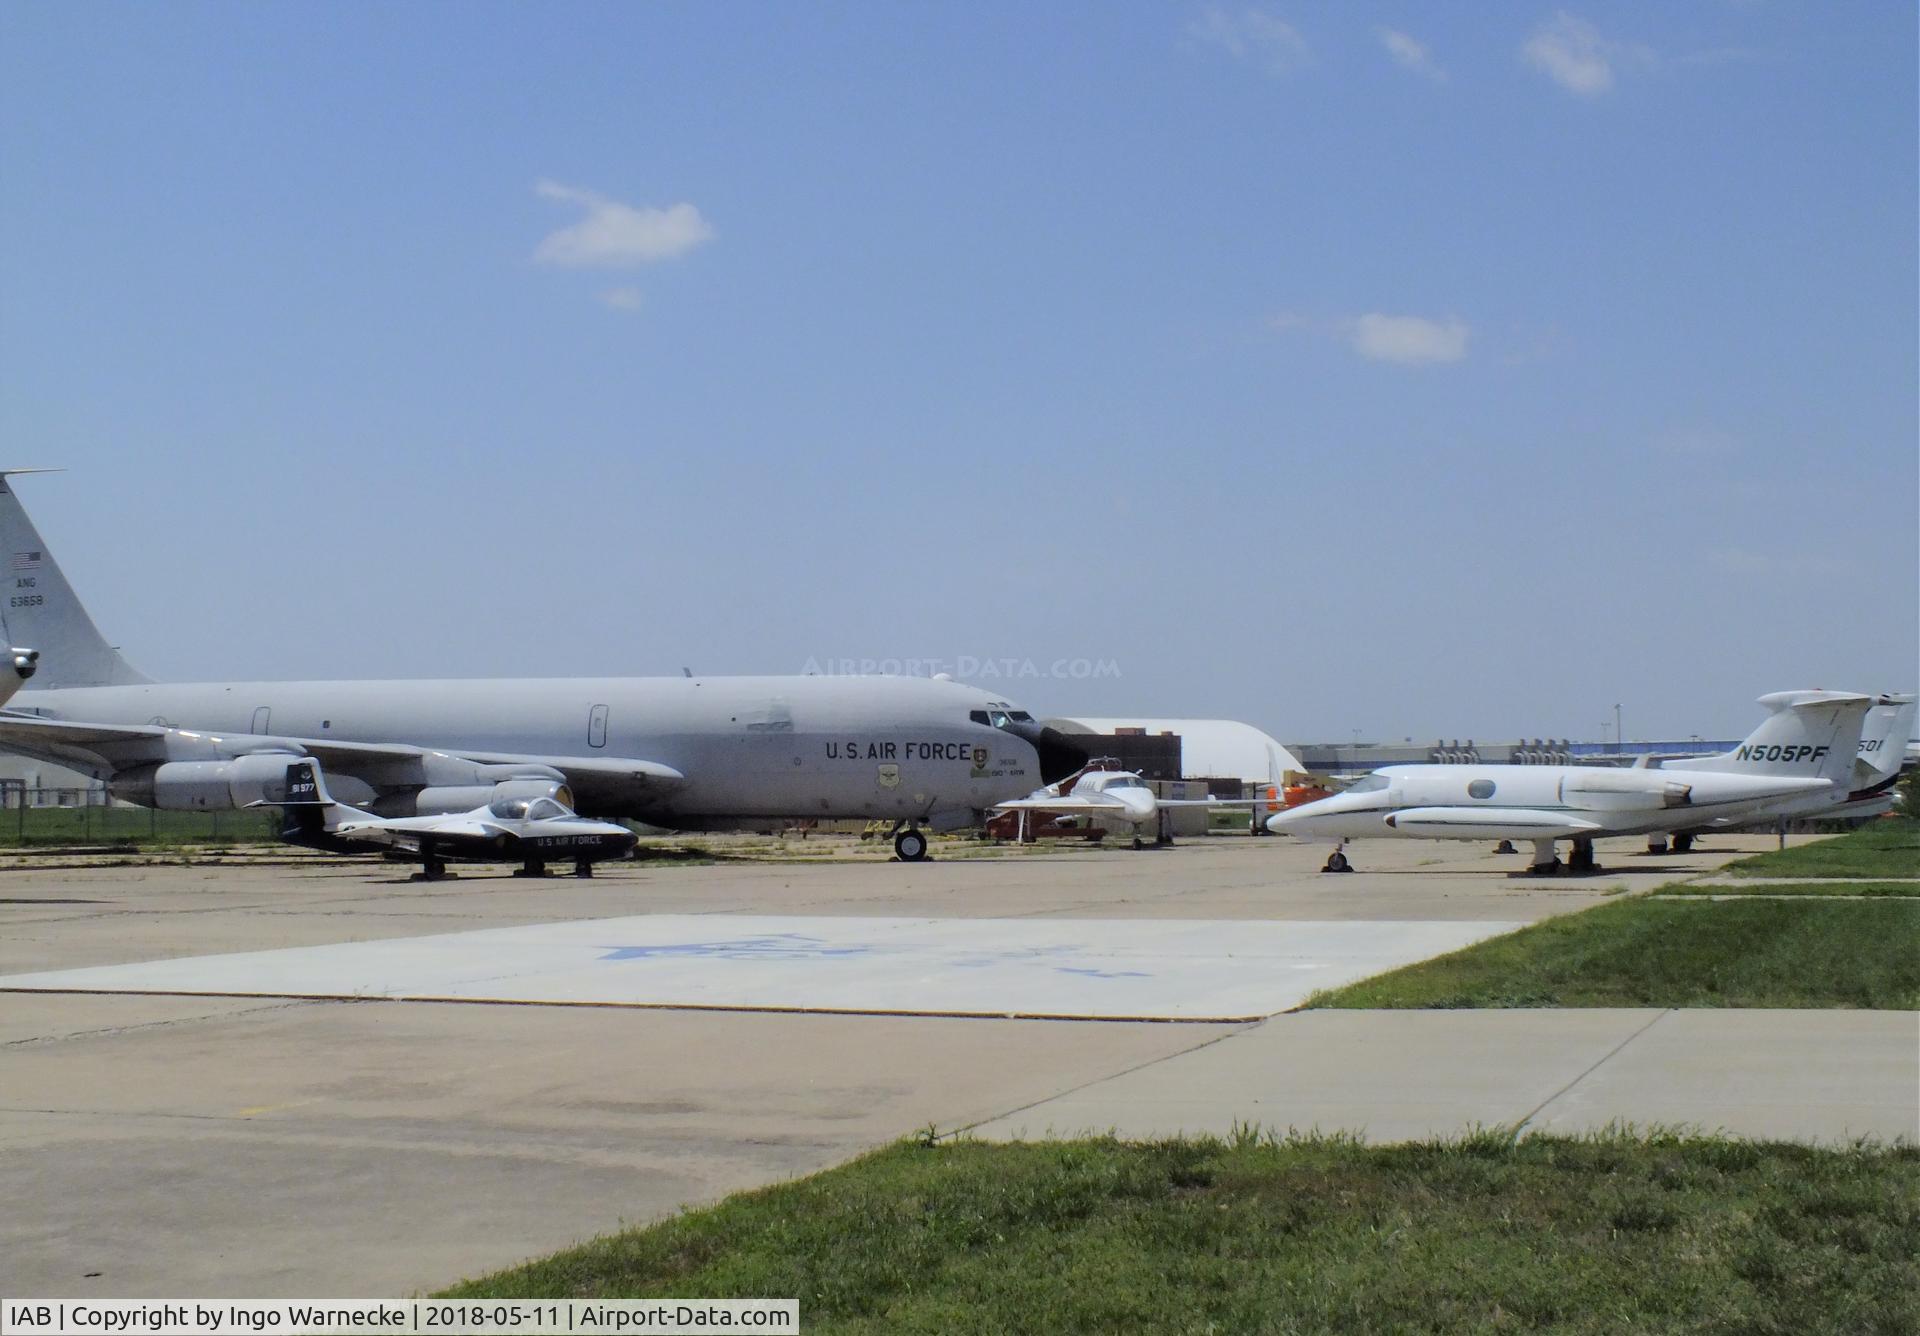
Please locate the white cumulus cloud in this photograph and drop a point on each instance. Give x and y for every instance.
(1571, 52)
(1411, 53)
(1253, 34)
(616, 235)
(1408, 339)
(621, 299)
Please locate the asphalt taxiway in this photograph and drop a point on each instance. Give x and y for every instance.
(315, 1137)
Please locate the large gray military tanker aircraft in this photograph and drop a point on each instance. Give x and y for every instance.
(689, 753)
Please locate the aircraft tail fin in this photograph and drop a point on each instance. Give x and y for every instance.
(40, 609)
(1883, 744)
(311, 810)
(1806, 735)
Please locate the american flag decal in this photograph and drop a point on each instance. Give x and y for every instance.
(26, 561)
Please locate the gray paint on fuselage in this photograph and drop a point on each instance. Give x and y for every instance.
(750, 747)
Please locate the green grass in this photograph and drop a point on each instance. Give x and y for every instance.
(1891, 889)
(1889, 847)
(1661, 953)
(1604, 1234)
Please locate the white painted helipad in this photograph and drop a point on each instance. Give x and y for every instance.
(1185, 970)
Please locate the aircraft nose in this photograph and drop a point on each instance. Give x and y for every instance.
(1289, 821)
(1060, 756)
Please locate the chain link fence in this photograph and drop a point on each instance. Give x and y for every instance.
(49, 816)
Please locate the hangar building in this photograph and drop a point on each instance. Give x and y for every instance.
(1209, 748)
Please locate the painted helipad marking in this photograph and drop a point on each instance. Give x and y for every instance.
(1093, 969)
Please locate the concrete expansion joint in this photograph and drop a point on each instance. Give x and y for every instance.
(1104, 1077)
(1521, 1127)
(110, 1031)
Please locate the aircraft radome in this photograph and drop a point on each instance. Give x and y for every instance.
(689, 753)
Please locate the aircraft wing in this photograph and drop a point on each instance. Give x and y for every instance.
(598, 781)
(92, 748)
(407, 832)
(102, 749)
(1069, 802)
(1212, 802)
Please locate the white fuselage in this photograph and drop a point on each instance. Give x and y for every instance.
(1476, 802)
(1135, 807)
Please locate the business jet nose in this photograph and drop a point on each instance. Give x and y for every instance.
(1291, 821)
(1139, 804)
(1060, 755)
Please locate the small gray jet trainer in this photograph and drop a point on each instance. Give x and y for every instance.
(530, 831)
(689, 753)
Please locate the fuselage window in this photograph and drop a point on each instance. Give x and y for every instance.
(1480, 788)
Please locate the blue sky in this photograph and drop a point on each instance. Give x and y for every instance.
(1421, 370)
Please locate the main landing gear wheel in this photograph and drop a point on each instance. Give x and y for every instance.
(534, 868)
(1337, 862)
(433, 868)
(910, 846)
(583, 868)
(1683, 844)
(1656, 844)
(1581, 859)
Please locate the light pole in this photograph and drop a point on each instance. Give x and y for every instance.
(1619, 738)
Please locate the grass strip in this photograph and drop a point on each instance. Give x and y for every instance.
(1889, 847)
(1854, 889)
(1805, 952)
(1610, 1233)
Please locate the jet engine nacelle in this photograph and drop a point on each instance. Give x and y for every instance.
(1625, 791)
(202, 786)
(444, 799)
(25, 663)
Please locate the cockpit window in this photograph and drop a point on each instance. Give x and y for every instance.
(999, 718)
(1368, 784)
(1020, 717)
(978, 716)
(510, 809)
(1128, 782)
(545, 809)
